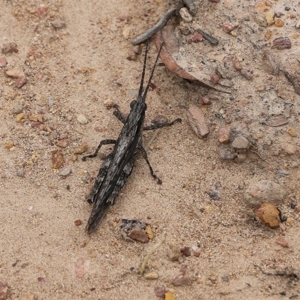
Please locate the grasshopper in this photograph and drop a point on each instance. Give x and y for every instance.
(118, 165)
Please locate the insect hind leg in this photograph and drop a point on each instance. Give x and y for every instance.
(104, 142)
(145, 156)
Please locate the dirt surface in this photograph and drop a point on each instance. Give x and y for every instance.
(61, 64)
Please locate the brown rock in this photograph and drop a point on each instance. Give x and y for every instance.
(81, 149)
(281, 241)
(282, 43)
(15, 73)
(3, 290)
(197, 122)
(3, 62)
(20, 81)
(186, 251)
(63, 143)
(10, 48)
(57, 159)
(269, 214)
(139, 235)
(58, 23)
(224, 134)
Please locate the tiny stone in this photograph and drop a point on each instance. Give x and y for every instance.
(205, 101)
(197, 37)
(20, 117)
(269, 214)
(248, 74)
(185, 15)
(58, 23)
(78, 222)
(262, 191)
(65, 171)
(226, 153)
(82, 119)
(21, 172)
(151, 275)
(282, 43)
(81, 149)
(9, 48)
(126, 33)
(289, 149)
(159, 120)
(3, 290)
(224, 134)
(240, 142)
(109, 103)
(15, 73)
(197, 121)
(139, 235)
(229, 27)
(57, 159)
(214, 78)
(270, 17)
(9, 144)
(3, 62)
(279, 23)
(186, 251)
(20, 81)
(174, 253)
(292, 132)
(63, 143)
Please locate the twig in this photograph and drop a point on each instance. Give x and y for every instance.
(152, 250)
(158, 26)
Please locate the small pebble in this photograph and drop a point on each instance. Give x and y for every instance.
(174, 253)
(15, 73)
(196, 38)
(9, 144)
(82, 119)
(21, 172)
(109, 103)
(160, 291)
(279, 23)
(205, 101)
(81, 148)
(58, 23)
(197, 121)
(269, 214)
(78, 222)
(3, 62)
(3, 290)
(292, 132)
(186, 251)
(149, 232)
(20, 117)
(57, 159)
(63, 143)
(240, 143)
(65, 171)
(185, 15)
(214, 78)
(281, 241)
(247, 73)
(289, 149)
(270, 17)
(224, 134)
(282, 43)
(151, 275)
(10, 48)
(229, 27)
(169, 296)
(20, 81)
(226, 153)
(138, 234)
(262, 191)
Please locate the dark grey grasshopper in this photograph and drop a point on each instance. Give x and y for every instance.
(118, 165)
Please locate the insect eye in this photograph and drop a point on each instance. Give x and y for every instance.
(132, 103)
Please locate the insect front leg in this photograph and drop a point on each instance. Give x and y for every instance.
(145, 156)
(119, 115)
(157, 126)
(104, 142)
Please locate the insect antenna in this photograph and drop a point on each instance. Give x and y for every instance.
(152, 72)
(144, 70)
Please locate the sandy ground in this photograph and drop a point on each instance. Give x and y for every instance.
(73, 70)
